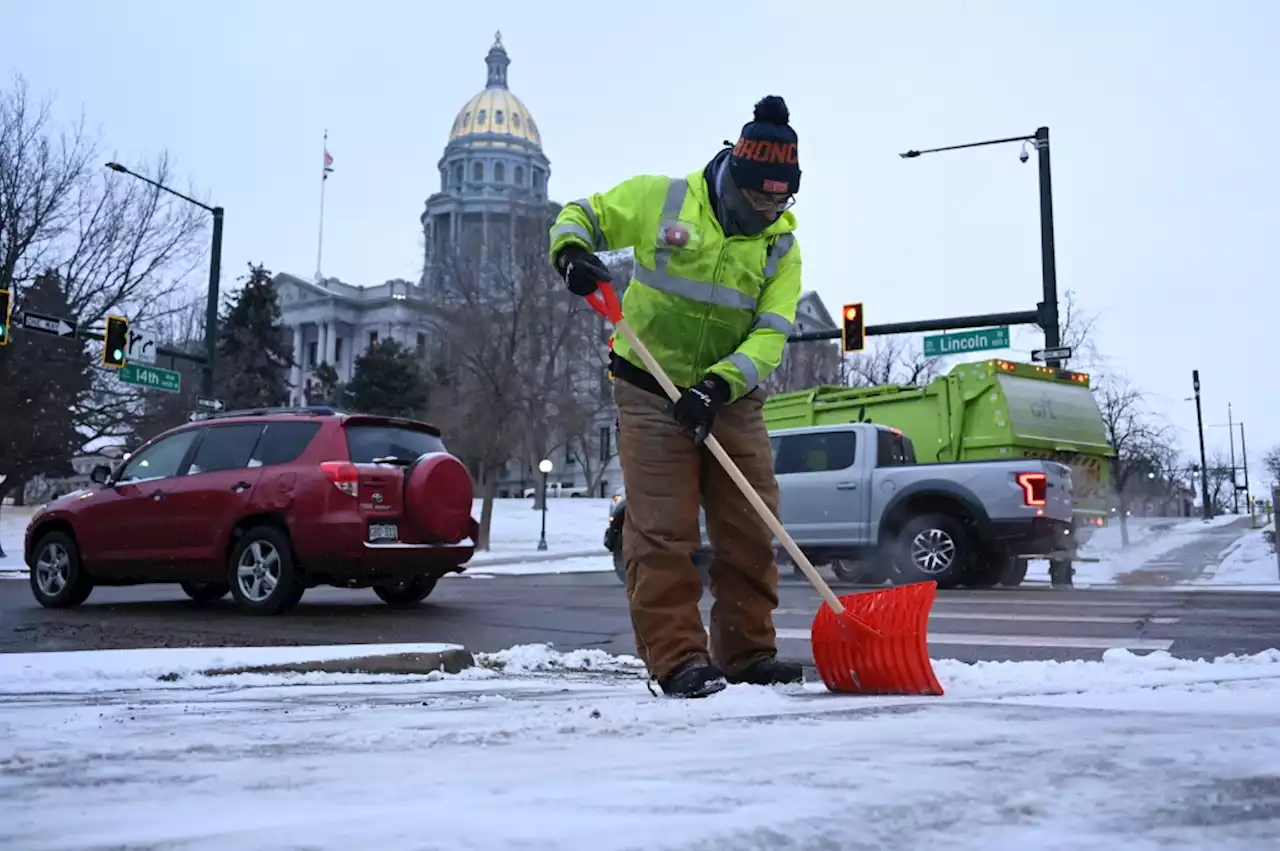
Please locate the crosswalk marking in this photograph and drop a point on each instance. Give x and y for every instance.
(962, 639)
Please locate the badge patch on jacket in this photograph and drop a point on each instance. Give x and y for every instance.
(676, 234)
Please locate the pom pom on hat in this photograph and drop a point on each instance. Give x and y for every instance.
(766, 157)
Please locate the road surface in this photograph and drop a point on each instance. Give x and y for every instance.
(589, 610)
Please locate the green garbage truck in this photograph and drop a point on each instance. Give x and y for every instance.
(993, 409)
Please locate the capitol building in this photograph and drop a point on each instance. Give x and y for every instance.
(493, 172)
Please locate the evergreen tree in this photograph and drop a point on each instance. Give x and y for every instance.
(254, 354)
(388, 380)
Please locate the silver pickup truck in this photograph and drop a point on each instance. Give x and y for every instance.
(853, 497)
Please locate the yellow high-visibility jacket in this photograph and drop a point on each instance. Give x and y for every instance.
(699, 301)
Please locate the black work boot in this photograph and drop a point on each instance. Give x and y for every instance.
(695, 678)
(769, 671)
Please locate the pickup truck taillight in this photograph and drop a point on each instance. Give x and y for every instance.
(343, 474)
(1035, 488)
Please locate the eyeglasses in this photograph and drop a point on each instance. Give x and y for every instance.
(768, 203)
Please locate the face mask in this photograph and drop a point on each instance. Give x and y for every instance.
(737, 216)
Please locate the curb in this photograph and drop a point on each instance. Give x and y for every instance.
(448, 661)
(533, 558)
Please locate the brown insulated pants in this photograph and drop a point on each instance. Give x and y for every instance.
(667, 479)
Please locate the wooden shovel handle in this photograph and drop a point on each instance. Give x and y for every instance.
(731, 468)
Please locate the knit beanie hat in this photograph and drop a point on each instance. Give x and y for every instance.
(766, 157)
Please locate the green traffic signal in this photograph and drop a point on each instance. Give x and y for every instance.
(115, 342)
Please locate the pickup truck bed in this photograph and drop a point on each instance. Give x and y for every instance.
(853, 496)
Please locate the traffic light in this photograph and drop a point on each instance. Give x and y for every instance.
(115, 342)
(852, 331)
(6, 310)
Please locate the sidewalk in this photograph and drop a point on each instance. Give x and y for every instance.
(1187, 562)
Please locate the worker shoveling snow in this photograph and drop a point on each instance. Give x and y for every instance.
(536, 749)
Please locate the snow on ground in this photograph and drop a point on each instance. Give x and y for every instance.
(1149, 538)
(575, 535)
(1249, 564)
(541, 750)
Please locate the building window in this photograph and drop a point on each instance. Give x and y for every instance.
(497, 117)
(457, 175)
(568, 454)
(515, 120)
(519, 175)
(422, 344)
(337, 352)
(477, 171)
(480, 116)
(373, 339)
(466, 119)
(313, 352)
(499, 172)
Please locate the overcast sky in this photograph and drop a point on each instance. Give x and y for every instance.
(1159, 111)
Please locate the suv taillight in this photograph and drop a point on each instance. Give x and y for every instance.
(1035, 487)
(343, 474)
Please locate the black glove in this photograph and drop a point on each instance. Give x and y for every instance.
(581, 270)
(697, 407)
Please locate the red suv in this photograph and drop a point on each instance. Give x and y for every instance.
(264, 504)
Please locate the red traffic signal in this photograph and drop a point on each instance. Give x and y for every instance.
(853, 335)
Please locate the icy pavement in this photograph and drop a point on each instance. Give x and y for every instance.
(537, 750)
(1249, 564)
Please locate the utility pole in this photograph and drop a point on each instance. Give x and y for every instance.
(1244, 456)
(1048, 263)
(211, 306)
(1204, 464)
(1231, 442)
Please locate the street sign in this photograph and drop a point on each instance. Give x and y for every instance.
(142, 346)
(1060, 353)
(210, 404)
(46, 324)
(963, 342)
(151, 377)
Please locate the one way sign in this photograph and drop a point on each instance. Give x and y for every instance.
(55, 325)
(208, 404)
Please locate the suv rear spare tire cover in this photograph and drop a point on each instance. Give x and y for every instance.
(437, 498)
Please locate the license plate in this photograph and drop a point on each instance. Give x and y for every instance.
(384, 532)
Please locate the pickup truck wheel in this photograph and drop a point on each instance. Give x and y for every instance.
(934, 547)
(620, 565)
(1014, 572)
(407, 593)
(848, 570)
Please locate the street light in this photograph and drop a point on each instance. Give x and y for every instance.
(215, 273)
(544, 467)
(1048, 266)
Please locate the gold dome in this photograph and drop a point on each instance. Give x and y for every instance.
(496, 110)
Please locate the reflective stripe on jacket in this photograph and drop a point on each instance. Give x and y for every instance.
(701, 302)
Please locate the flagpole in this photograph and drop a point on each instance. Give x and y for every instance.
(324, 179)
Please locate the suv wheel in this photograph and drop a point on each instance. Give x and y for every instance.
(407, 593)
(933, 547)
(263, 577)
(205, 592)
(58, 578)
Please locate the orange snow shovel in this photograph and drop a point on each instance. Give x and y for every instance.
(874, 642)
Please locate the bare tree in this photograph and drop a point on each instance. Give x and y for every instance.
(1077, 332)
(521, 360)
(1221, 481)
(116, 244)
(806, 365)
(1271, 461)
(894, 360)
(1134, 434)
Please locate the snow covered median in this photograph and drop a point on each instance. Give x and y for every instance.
(1248, 564)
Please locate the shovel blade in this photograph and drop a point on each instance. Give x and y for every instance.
(879, 645)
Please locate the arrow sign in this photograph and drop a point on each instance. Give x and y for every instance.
(1060, 353)
(55, 325)
(210, 404)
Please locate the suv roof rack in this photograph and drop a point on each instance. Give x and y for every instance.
(305, 411)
